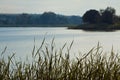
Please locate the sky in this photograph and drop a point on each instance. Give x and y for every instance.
(65, 7)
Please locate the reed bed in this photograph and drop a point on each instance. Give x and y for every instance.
(48, 63)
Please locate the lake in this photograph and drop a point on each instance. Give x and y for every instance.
(21, 40)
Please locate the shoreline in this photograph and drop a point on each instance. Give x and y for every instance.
(97, 27)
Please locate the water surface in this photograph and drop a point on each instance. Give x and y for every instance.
(21, 40)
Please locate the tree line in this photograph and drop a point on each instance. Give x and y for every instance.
(47, 18)
(107, 16)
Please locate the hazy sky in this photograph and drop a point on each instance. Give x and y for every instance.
(67, 7)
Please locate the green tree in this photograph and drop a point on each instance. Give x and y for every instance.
(108, 15)
(91, 16)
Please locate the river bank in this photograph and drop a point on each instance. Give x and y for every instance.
(97, 27)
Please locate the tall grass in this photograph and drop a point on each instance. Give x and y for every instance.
(48, 63)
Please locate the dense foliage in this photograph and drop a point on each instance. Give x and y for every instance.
(49, 63)
(47, 18)
(106, 16)
(91, 16)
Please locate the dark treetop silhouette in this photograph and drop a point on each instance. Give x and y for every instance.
(104, 20)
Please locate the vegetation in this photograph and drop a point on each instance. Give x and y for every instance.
(45, 19)
(103, 16)
(91, 16)
(100, 20)
(50, 64)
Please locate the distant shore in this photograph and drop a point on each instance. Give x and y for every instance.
(97, 27)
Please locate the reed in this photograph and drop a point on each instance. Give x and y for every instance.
(48, 63)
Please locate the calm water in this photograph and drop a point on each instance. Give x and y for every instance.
(21, 40)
